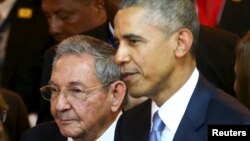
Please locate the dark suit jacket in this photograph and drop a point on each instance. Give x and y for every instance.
(235, 17)
(207, 105)
(28, 39)
(17, 117)
(48, 131)
(215, 57)
(101, 32)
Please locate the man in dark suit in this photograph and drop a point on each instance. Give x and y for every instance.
(27, 38)
(156, 53)
(215, 54)
(85, 92)
(101, 32)
(17, 116)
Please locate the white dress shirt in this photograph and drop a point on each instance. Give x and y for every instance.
(172, 111)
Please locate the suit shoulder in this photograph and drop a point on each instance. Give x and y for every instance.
(218, 34)
(137, 110)
(222, 105)
(134, 124)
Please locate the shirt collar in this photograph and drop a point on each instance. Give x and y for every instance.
(111, 28)
(109, 133)
(172, 111)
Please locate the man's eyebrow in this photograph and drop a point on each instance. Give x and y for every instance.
(72, 83)
(60, 10)
(128, 36)
(76, 83)
(132, 36)
(51, 83)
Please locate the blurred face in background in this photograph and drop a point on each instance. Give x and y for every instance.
(72, 17)
(112, 6)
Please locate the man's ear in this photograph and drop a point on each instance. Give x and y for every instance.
(184, 39)
(118, 90)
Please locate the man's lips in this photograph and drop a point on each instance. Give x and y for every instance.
(128, 75)
(65, 121)
(64, 118)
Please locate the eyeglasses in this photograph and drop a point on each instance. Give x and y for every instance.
(3, 115)
(50, 92)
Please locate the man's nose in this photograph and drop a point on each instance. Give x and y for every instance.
(55, 25)
(61, 101)
(122, 54)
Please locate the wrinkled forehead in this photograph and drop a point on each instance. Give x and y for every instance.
(74, 67)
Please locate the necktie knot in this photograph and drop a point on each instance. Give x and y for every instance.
(158, 127)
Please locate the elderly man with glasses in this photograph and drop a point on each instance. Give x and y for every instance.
(85, 93)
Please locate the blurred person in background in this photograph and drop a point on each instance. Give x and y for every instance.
(24, 37)
(17, 122)
(72, 17)
(242, 70)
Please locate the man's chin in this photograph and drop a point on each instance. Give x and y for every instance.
(58, 39)
(70, 132)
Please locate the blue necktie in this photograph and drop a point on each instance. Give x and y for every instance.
(158, 126)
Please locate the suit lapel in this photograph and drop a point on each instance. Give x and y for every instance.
(190, 127)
